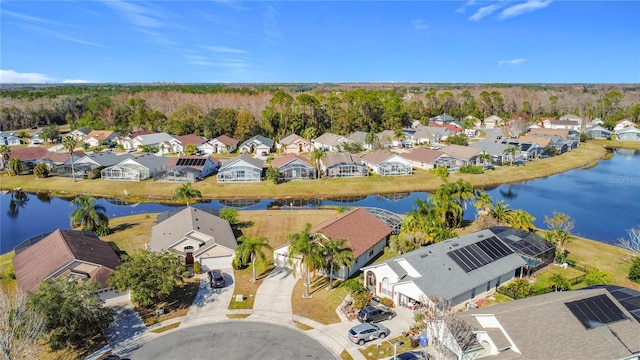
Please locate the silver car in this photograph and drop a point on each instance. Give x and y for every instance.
(364, 332)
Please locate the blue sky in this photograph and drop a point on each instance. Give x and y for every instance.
(530, 41)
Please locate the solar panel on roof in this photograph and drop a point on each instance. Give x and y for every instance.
(596, 311)
(479, 254)
(191, 162)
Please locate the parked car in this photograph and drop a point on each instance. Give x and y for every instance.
(364, 332)
(488, 167)
(375, 314)
(216, 279)
(409, 355)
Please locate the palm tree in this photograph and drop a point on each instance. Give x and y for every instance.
(5, 150)
(485, 157)
(560, 237)
(511, 150)
(484, 203)
(16, 167)
(335, 254)
(308, 251)
(316, 157)
(372, 140)
(521, 219)
(88, 215)
(187, 193)
(69, 143)
(251, 249)
(500, 211)
(309, 133)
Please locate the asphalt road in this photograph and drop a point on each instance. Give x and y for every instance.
(232, 340)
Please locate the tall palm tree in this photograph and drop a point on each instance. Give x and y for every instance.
(511, 151)
(485, 157)
(335, 254)
(187, 193)
(251, 249)
(308, 251)
(69, 143)
(372, 140)
(316, 157)
(16, 167)
(521, 219)
(88, 215)
(5, 150)
(309, 133)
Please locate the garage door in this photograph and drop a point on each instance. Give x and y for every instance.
(221, 262)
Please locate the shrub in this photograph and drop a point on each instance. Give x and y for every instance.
(230, 214)
(634, 272)
(95, 173)
(387, 302)
(361, 300)
(186, 274)
(597, 277)
(354, 285)
(518, 288)
(471, 169)
(197, 267)
(41, 171)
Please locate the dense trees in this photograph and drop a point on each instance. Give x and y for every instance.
(73, 311)
(150, 276)
(211, 111)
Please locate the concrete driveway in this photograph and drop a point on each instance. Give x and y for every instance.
(127, 324)
(273, 298)
(210, 304)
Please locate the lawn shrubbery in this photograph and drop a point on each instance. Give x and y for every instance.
(471, 169)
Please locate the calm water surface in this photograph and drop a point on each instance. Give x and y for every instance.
(604, 201)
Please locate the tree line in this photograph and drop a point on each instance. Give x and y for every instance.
(212, 110)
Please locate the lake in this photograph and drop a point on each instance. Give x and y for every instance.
(603, 200)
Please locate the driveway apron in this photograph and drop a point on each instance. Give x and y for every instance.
(273, 297)
(127, 324)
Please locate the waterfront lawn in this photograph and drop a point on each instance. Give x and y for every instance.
(131, 233)
(632, 145)
(7, 280)
(543, 277)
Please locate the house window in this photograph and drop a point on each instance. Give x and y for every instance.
(489, 285)
(473, 293)
(371, 252)
(386, 287)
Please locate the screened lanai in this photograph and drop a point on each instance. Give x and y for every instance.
(240, 173)
(536, 251)
(294, 171)
(347, 170)
(128, 172)
(392, 168)
(179, 174)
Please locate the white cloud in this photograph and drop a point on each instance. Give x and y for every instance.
(419, 25)
(484, 11)
(523, 8)
(463, 9)
(75, 81)
(135, 14)
(224, 49)
(59, 35)
(270, 23)
(511, 62)
(14, 77)
(29, 18)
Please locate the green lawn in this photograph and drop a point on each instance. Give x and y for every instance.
(543, 278)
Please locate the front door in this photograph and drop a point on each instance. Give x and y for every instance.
(189, 259)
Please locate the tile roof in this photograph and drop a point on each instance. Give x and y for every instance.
(368, 232)
(100, 134)
(57, 250)
(284, 160)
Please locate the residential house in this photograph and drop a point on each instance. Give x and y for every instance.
(294, 167)
(600, 322)
(257, 145)
(32, 156)
(187, 169)
(179, 143)
(343, 165)
(429, 135)
(63, 253)
(243, 168)
(361, 138)
(329, 142)
(595, 122)
(623, 124)
(526, 150)
(79, 134)
(220, 145)
(386, 163)
(492, 122)
(458, 270)
(84, 166)
(388, 138)
(563, 133)
(135, 168)
(496, 150)
(464, 155)
(442, 119)
(195, 234)
(597, 132)
(126, 142)
(157, 141)
(365, 233)
(294, 144)
(565, 124)
(424, 158)
(572, 117)
(100, 137)
(629, 133)
(9, 139)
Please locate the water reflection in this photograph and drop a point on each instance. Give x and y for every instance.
(18, 201)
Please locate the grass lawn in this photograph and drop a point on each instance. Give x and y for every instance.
(176, 305)
(6, 268)
(633, 145)
(385, 349)
(131, 233)
(543, 277)
(493, 299)
(421, 180)
(322, 305)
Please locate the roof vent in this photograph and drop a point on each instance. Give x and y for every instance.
(455, 244)
(424, 255)
(480, 235)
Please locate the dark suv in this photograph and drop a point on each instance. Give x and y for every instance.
(216, 279)
(375, 314)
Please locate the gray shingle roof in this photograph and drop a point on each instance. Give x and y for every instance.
(259, 138)
(155, 138)
(495, 149)
(258, 163)
(149, 161)
(173, 226)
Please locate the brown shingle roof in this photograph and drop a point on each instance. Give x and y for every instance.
(57, 250)
(422, 155)
(190, 139)
(561, 132)
(377, 156)
(31, 153)
(460, 152)
(99, 134)
(227, 140)
(284, 160)
(359, 227)
(540, 140)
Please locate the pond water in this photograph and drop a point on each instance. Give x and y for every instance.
(603, 200)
